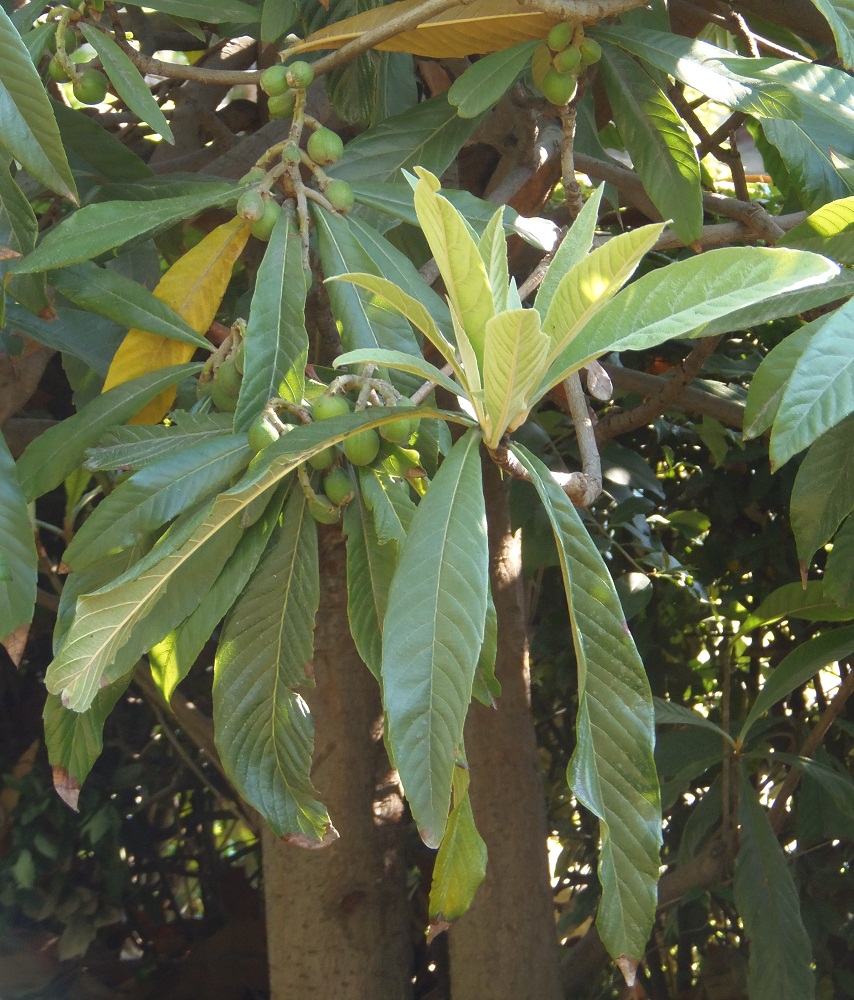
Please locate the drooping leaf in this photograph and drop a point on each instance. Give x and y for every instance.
(794, 601)
(840, 16)
(487, 687)
(489, 79)
(193, 287)
(57, 452)
(113, 296)
(671, 713)
(823, 491)
(798, 667)
(768, 904)
(29, 133)
(276, 346)
(411, 363)
(820, 392)
(657, 141)
(19, 559)
(277, 16)
(263, 728)
(461, 862)
(97, 154)
(127, 81)
(433, 632)
(207, 11)
(839, 569)
(390, 504)
(134, 447)
(572, 250)
(612, 770)
(828, 231)
(470, 29)
(18, 229)
(95, 229)
(155, 495)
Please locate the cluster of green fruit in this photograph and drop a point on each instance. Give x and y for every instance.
(224, 387)
(560, 60)
(281, 83)
(89, 86)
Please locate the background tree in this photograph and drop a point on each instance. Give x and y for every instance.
(192, 542)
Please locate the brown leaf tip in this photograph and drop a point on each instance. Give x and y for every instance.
(67, 787)
(629, 968)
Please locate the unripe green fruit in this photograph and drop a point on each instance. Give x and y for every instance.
(262, 432)
(274, 81)
(291, 153)
(326, 406)
(402, 430)
(323, 459)
(340, 196)
(90, 87)
(282, 106)
(559, 88)
(560, 36)
(541, 63)
(325, 146)
(362, 448)
(338, 486)
(222, 399)
(262, 228)
(56, 71)
(591, 51)
(323, 510)
(253, 176)
(250, 206)
(567, 61)
(228, 377)
(300, 75)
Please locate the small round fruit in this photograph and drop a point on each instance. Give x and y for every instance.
(299, 74)
(250, 206)
(541, 63)
(274, 81)
(567, 61)
(325, 146)
(338, 486)
(291, 154)
(90, 87)
(326, 406)
(253, 176)
(262, 228)
(340, 196)
(262, 432)
(560, 36)
(282, 106)
(399, 431)
(56, 71)
(591, 52)
(362, 448)
(228, 377)
(323, 459)
(323, 510)
(222, 399)
(70, 41)
(559, 88)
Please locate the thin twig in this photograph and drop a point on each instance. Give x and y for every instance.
(573, 484)
(591, 466)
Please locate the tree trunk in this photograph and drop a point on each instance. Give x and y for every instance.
(505, 947)
(337, 918)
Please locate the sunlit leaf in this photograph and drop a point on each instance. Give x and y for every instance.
(828, 231)
(461, 862)
(19, 560)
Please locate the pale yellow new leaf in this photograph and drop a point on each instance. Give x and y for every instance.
(470, 29)
(193, 287)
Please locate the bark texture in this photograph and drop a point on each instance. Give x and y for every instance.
(505, 947)
(337, 918)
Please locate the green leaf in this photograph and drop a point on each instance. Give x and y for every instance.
(127, 81)
(18, 229)
(390, 504)
(798, 667)
(661, 149)
(19, 559)
(492, 247)
(515, 356)
(30, 134)
(111, 295)
(669, 713)
(698, 297)
(768, 904)
(820, 392)
(206, 11)
(573, 248)
(75, 740)
(433, 633)
(823, 492)
(795, 601)
(840, 17)
(401, 362)
(138, 445)
(97, 155)
(771, 378)
(96, 229)
(612, 770)
(839, 569)
(805, 148)
(487, 687)
(172, 658)
(156, 495)
(370, 568)
(50, 458)
(489, 79)
(276, 346)
(263, 728)
(829, 231)
(461, 862)
(699, 65)
(277, 16)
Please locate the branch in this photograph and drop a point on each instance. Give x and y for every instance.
(591, 466)
(573, 484)
(199, 74)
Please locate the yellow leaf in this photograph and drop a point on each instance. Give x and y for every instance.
(193, 287)
(474, 28)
